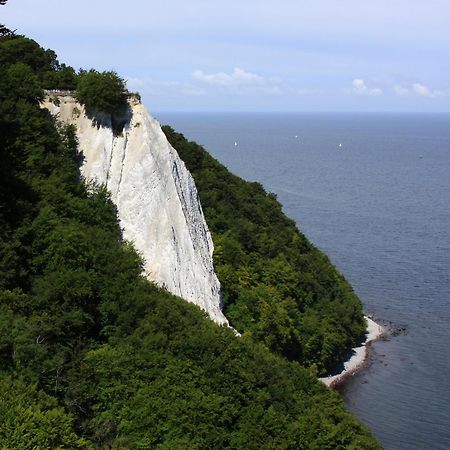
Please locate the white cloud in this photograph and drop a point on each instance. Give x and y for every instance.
(359, 87)
(240, 81)
(203, 84)
(420, 90)
(237, 77)
(425, 91)
(401, 90)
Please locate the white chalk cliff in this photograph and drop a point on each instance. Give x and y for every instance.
(157, 201)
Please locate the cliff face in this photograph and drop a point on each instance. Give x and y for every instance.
(157, 201)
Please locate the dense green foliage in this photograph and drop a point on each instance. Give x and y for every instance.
(31, 419)
(102, 91)
(92, 355)
(44, 63)
(276, 286)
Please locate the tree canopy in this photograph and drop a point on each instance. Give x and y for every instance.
(44, 63)
(102, 91)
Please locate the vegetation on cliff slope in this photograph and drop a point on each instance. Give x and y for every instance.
(276, 286)
(92, 355)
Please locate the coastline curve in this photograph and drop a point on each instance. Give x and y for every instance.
(358, 356)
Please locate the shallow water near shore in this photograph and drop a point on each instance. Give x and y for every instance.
(379, 206)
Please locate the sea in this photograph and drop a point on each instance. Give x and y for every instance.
(372, 191)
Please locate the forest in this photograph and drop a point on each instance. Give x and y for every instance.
(94, 356)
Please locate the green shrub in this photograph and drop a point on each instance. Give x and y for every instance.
(102, 91)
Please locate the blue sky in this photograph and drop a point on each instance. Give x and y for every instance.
(255, 55)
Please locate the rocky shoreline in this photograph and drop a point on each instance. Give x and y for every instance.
(357, 357)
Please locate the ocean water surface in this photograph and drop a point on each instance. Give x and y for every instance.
(379, 206)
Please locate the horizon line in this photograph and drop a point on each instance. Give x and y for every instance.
(288, 112)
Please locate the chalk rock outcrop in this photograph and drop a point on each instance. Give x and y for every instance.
(157, 201)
